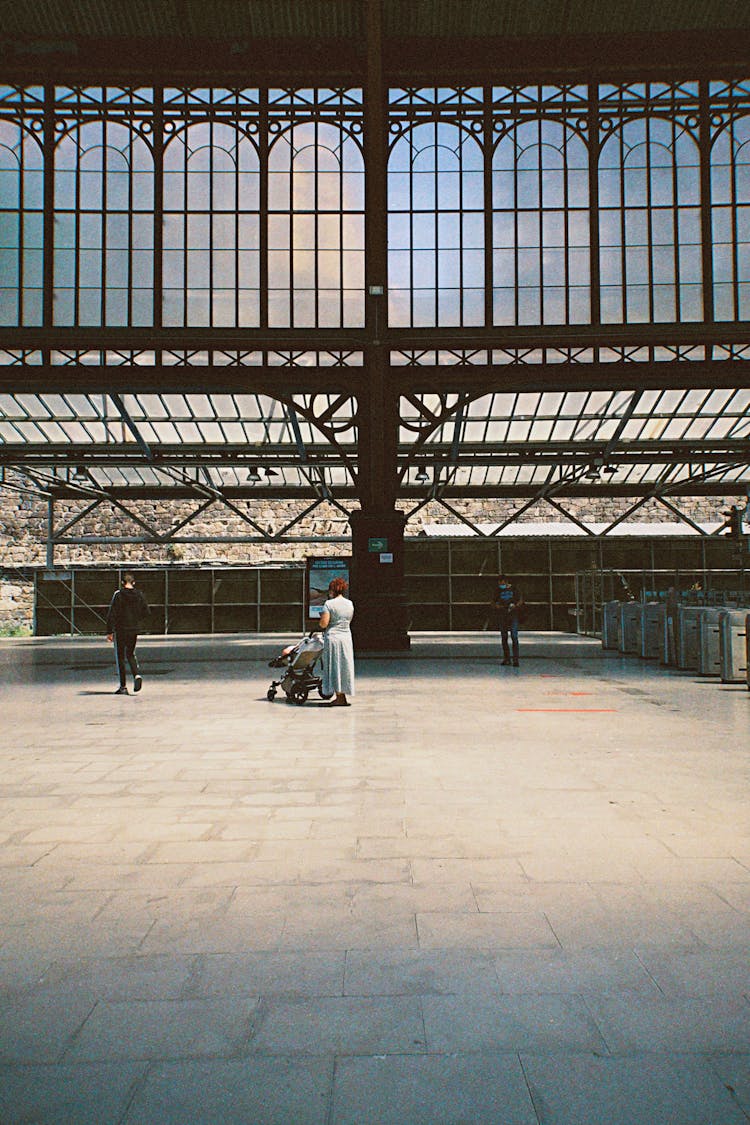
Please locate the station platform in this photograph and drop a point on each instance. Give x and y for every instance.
(517, 896)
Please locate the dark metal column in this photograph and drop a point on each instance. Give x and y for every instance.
(158, 138)
(378, 528)
(50, 533)
(594, 151)
(706, 225)
(49, 211)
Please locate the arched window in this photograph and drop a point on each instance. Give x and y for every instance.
(649, 224)
(21, 226)
(315, 228)
(436, 270)
(104, 226)
(541, 226)
(730, 219)
(211, 228)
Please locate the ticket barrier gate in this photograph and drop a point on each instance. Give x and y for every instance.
(669, 637)
(630, 623)
(709, 642)
(688, 651)
(733, 630)
(611, 625)
(649, 629)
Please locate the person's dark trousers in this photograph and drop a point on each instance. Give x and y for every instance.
(509, 624)
(125, 642)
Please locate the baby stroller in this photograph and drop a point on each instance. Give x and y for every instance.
(299, 679)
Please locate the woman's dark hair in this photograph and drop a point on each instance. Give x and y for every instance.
(338, 586)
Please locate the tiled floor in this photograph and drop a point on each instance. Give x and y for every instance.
(478, 895)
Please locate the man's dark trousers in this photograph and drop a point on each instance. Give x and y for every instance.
(509, 624)
(125, 642)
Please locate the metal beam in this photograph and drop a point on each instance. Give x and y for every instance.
(413, 59)
(481, 379)
(474, 378)
(414, 493)
(474, 455)
(122, 411)
(275, 382)
(284, 341)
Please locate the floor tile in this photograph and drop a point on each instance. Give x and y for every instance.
(397, 972)
(164, 1029)
(702, 1024)
(347, 1025)
(431, 1090)
(82, 1094)
(637, 1090)
(509, 1023)
(272, 1091)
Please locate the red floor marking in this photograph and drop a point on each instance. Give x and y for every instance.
(568, 710)
(568, 693)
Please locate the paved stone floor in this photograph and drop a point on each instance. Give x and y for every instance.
(478, 895)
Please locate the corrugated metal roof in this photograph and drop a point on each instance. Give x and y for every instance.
(565, 528)
(344, 19)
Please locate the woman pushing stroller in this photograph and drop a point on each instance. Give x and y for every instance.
(338, 650)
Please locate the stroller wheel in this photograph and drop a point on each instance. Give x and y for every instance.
(271, 693)
(300, 697)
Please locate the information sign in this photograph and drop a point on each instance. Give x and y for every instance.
(320, 574)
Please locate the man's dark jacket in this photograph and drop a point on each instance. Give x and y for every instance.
(127, 611)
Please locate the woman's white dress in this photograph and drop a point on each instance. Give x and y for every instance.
(338, 650)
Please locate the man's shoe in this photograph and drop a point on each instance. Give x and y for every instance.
(515, 663)
(122, 691)
(137, 683)
(504, 663)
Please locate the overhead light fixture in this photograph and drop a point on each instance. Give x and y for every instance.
(609, 469)
(422, 475)
(79, 475)
(270, 473)
(592, 473)
(253, 474)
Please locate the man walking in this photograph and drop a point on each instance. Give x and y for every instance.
(509, 601)
(127, 612)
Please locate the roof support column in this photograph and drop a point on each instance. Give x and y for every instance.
(377, 568)
(50, 533)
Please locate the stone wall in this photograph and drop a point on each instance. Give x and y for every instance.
(16, 604)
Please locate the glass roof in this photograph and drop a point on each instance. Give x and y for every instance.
(622, 437)
(163, 440)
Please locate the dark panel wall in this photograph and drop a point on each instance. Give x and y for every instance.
(449, 585)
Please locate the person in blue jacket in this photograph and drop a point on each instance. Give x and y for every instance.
(508, 600)
(127, 613)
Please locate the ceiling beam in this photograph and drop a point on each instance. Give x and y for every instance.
(278, 382)
(264, 493)
(132, 427)
(340, 59)
(480, 379)
(436, 453)
(247, 340)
